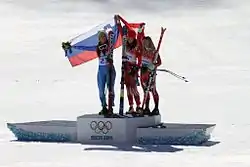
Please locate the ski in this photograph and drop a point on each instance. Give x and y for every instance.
(124, 40)
(160, 125)
(174, 74)
(110, 59)
(153, 73)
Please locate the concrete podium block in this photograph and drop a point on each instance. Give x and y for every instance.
(174, 134)
(47, 131)
(95, 129)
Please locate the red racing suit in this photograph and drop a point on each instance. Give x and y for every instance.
(133, 54)
(147, 58)
(131, 73)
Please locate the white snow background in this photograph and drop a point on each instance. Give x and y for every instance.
(206, 41)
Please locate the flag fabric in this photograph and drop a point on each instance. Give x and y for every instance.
(83, 47)
(137, 27)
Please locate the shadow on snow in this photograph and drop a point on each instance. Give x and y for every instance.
(131, 148)
(146, 148)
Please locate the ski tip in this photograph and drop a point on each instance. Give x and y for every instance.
(163, 29)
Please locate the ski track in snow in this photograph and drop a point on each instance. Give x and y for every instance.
(206, 41)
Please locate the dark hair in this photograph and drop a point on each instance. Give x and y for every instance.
(148, 38)
(132, 45)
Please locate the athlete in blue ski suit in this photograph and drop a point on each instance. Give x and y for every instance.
(103, 71)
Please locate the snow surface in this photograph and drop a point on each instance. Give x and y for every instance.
(207, 41)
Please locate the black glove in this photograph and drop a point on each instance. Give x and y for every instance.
(117, 19)
(66, 45)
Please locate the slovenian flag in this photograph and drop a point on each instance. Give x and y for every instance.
(83, 47)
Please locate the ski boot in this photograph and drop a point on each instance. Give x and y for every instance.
(139, 111)
(104, 111)
(155, 112)
(131, 111)
(110, 114)
(146, 111)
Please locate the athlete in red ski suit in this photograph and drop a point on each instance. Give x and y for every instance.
(148, 53)
(133, 54)
(133, 62)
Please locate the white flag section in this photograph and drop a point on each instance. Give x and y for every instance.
(105, 26)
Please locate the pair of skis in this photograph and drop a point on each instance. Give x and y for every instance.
(111, 95)
(124, 58)
(110, 59)
(124, 40)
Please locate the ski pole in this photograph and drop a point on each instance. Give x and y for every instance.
(174, 74)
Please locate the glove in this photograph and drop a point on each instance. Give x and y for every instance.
(141, 28)
(66, 45)
(67, 48)
(117, 19)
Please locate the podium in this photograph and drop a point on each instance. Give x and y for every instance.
(95, 129)
(174, 134)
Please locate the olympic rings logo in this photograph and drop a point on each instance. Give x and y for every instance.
(101, 127)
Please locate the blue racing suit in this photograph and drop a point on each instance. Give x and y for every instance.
(103, 78)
